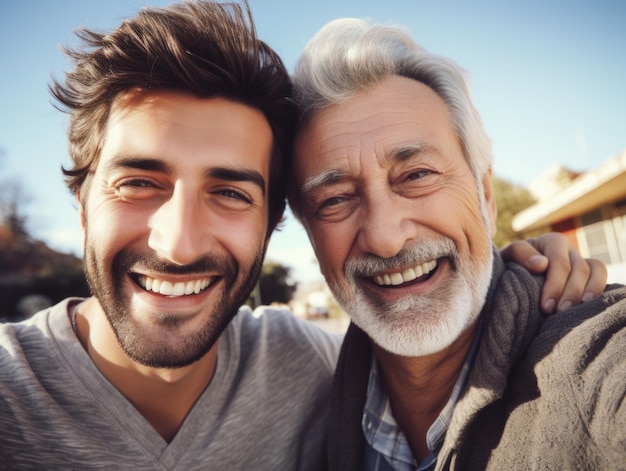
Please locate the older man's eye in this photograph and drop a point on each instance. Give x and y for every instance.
(330, 202)
(419, 174)
(335, 209)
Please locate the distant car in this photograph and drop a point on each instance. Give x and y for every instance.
(316, 312)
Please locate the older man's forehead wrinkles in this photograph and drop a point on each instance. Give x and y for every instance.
(323, 179)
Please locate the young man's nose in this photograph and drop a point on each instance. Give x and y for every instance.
(178, 232)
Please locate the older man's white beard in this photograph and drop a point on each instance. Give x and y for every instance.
(424, 324)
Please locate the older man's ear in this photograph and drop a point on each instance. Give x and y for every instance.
(490, 200)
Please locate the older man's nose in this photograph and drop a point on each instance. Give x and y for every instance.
(385, 228)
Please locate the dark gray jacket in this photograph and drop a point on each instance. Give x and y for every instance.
(543, 393)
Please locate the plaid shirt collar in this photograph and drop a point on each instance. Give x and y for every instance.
(387, 447)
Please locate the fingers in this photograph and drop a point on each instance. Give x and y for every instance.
(523, 253)
(569, 278)
(566, 280)
(597, 279)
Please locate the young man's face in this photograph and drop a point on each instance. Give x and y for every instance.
(395, 216)
(175, 221)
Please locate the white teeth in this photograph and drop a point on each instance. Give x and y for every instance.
(396, 279)
(406, 275)
(156, 286)
(178, 289)
(197, 286)
(167, 288)
(189, 287)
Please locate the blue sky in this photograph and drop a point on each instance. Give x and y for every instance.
(548, 77)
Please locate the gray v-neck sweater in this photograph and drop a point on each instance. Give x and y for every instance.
(265, 409)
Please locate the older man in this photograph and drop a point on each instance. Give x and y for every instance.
(448, 363)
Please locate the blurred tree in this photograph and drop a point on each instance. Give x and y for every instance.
(511, 199)
(13, 201)
(14, 238)
(29, 269)
(275, 285)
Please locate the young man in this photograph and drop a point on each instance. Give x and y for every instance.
(449, 363)
(181, 120)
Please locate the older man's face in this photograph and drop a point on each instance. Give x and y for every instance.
(395, 216)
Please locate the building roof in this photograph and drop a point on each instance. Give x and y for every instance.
(589, 191)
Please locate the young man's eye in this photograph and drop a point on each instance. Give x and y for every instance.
(140, 184)
(135, 183)
(235, 195)
(136, 188)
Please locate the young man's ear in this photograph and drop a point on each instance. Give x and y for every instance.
(490, 201)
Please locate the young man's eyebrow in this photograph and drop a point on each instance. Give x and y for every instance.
(139, 163)
(156, 165)
(237, 175)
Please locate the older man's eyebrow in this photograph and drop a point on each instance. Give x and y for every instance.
(237, 175)
(322, 180)
(403, 153)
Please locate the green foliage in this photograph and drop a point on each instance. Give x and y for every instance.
(29, 269)
(275, 286)
(511, 199)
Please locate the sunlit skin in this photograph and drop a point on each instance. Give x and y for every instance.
(382, 172)
(178, 198)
